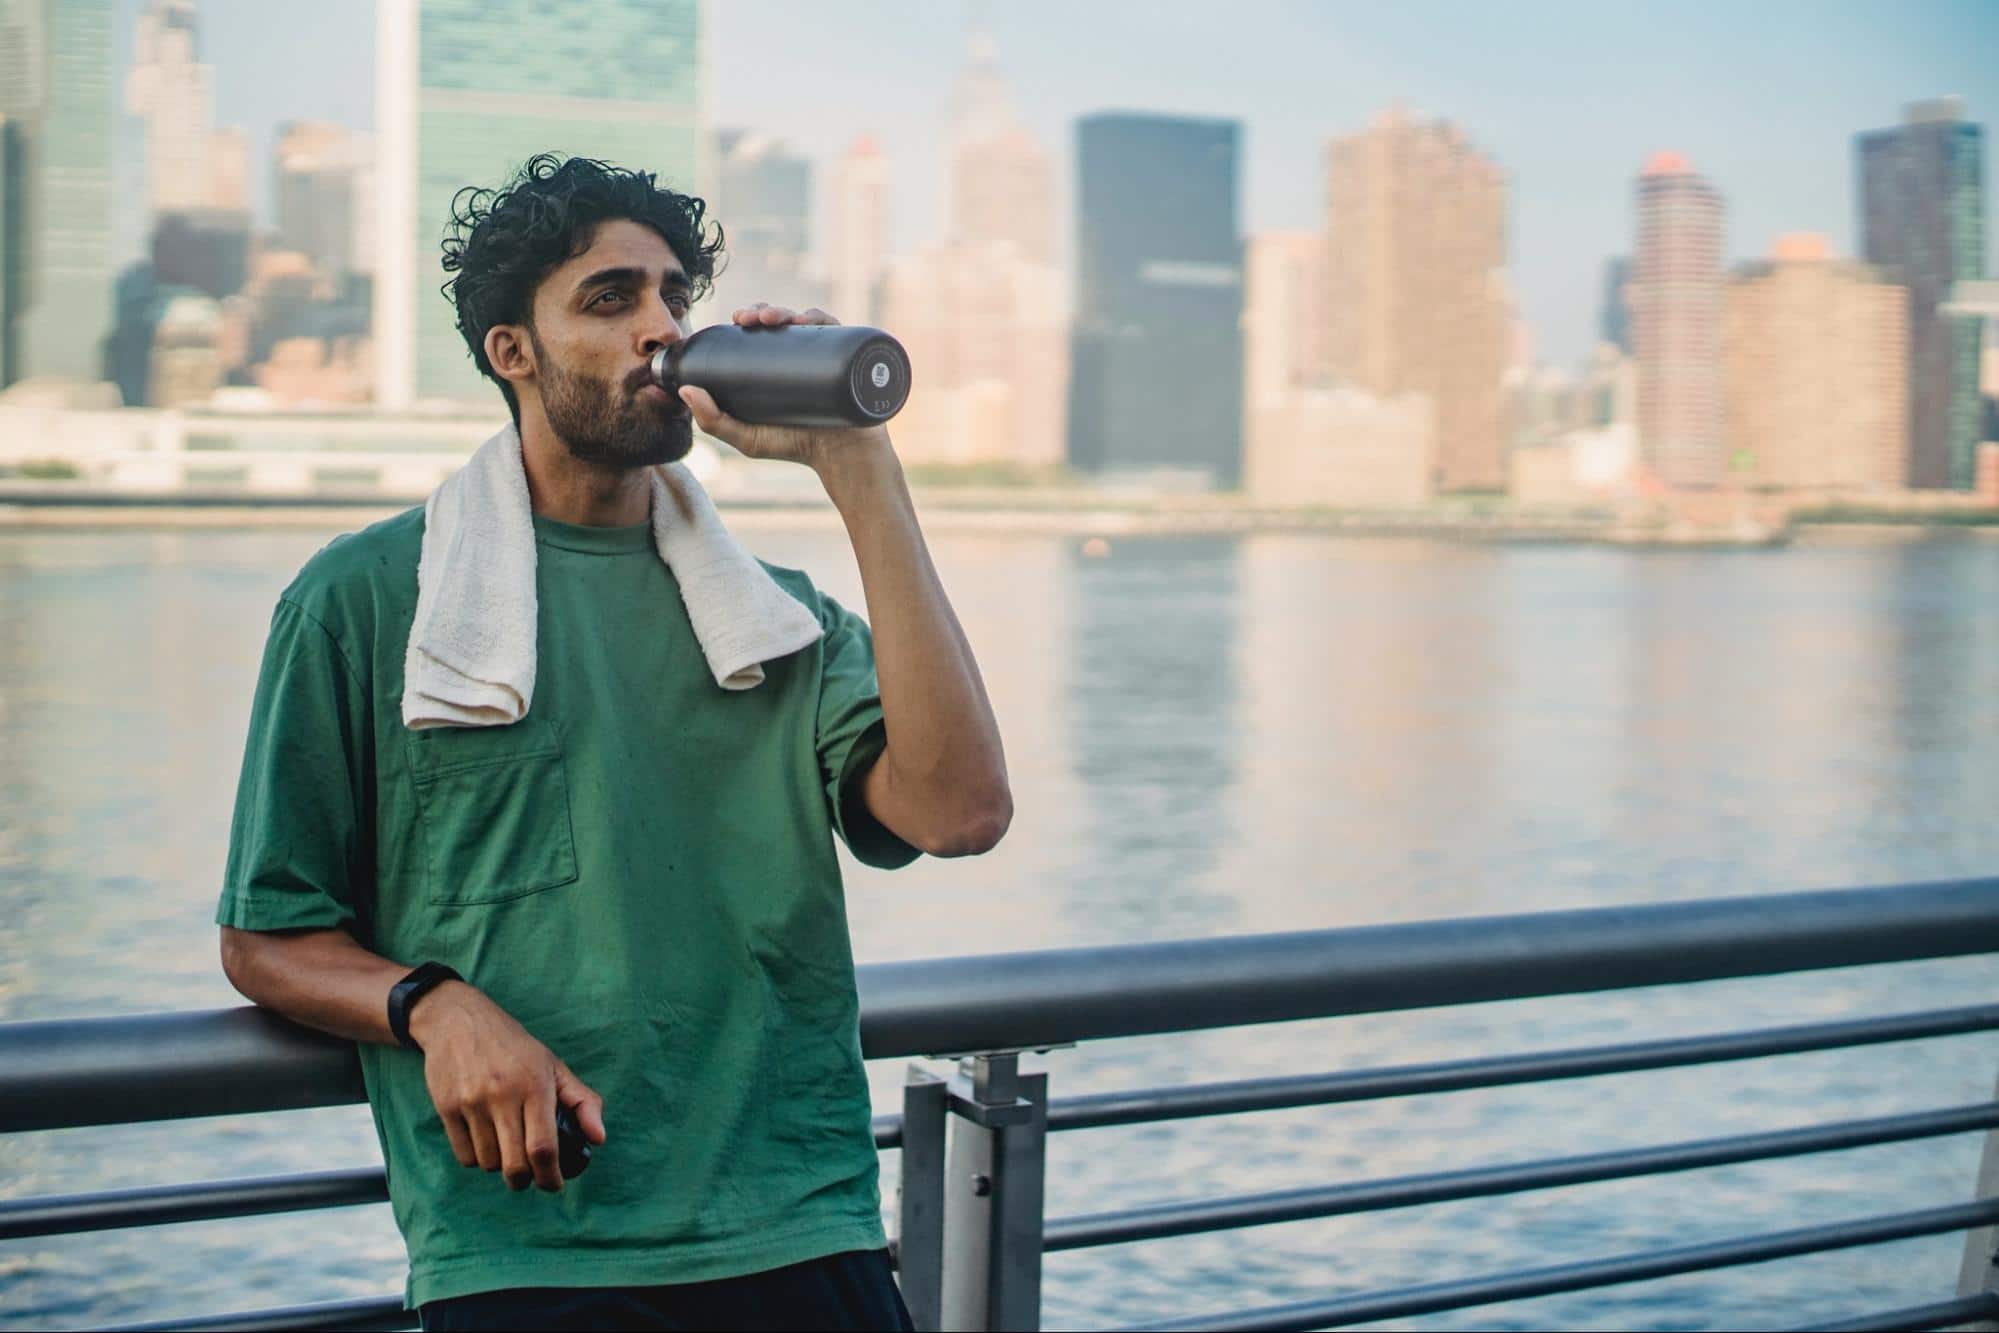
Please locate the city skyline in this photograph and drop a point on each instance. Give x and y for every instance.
(1414, 282)
(1569, 107)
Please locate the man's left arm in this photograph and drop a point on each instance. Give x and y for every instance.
(940, 783)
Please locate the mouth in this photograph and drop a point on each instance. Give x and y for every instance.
(655, 396)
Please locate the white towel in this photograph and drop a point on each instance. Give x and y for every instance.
(471, 656)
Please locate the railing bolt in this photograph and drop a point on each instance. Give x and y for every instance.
(982, 1185)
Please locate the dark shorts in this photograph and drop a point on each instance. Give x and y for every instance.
(851, 1291)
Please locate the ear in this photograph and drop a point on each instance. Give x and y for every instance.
(511, 353)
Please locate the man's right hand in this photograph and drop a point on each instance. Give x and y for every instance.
(496, 1088)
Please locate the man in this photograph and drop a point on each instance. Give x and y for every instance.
(636, 879)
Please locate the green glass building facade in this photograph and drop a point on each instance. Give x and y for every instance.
(501, 80)
(13, 277)
(55, 188)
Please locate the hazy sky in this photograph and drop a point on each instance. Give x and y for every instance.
(1569, 97)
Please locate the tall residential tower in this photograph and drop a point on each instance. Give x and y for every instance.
(1675, 299)
(1814, 378)
(1415, 296)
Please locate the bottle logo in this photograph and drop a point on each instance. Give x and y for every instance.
(879, 374)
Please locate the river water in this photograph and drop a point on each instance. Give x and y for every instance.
(1206, 736)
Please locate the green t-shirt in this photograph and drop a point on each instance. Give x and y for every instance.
(641, 871)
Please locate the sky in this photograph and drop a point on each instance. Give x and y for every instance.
(1569, 98)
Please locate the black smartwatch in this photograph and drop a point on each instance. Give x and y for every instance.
(405, 993)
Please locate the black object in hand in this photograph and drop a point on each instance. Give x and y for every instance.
(810, 375)
(572, 1147)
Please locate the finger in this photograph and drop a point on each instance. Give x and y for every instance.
(461, 1140)
(708, 416)
(775, 314)
(510, 1125)
(816, 316)
(544, 1157)
(485, 1147)
(748, 314)
(581, 1098)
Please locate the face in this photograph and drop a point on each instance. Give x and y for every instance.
(598, 319)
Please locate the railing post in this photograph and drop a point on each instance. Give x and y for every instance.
(1981, 1245)
(992, 1197)
(919, 1242)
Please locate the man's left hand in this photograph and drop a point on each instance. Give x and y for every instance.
(812, 447)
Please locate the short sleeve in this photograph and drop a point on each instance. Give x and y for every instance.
(852, 736)
(297, 853)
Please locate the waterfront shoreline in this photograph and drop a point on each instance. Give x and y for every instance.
(987, 511)
(1079, 521)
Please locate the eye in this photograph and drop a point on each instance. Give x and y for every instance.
(598, 299)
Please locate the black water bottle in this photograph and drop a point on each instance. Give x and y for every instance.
(814, 375)
(572, 1148)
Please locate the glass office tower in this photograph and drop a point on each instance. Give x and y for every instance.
(1156, 375)
(1922, 221)
(55, 224)
(469, 89)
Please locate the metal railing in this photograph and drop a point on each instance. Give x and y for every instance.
(971, 1229)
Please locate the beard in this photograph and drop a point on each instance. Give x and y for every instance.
(607, 424)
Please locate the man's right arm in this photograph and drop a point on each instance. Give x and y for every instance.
(322, 979)
(495, 1087)
(295, 866)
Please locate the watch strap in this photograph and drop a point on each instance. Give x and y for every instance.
(405, 993)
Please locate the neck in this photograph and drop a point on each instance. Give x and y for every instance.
(563, 488)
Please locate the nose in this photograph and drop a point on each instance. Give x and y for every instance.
(658, 329)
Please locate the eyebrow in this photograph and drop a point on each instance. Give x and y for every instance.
(631, 277)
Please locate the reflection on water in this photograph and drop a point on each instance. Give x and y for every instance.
(1206, 736)
(1152, 738)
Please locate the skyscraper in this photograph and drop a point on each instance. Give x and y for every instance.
(982, 313)
(366, 238)
(1613, 322)
(467, 90)
(1156, 372)
(1286, 272)
(1814, 373)
(1306, 440)
(315, 167)
(1415, 297)
(763, 199)
(55, 85)
(858, 244)
(986, 334)
(1922, 221)
(1675, 298)
(1001, 181)
(229, 168)
(13, 240)
(188, 166)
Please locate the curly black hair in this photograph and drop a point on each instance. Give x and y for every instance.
(500, 244)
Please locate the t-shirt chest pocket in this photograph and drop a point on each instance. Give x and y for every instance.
(494, 806)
